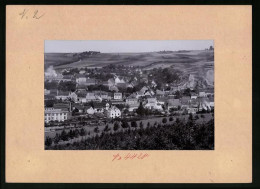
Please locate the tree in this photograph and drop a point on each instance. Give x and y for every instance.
(141, 125)
(96, 130)
(140, 110)
(106, 129)
(48, 141)
(148, 124)
(133, 124)
(64, 135)
(190, 117)
(71, 134)
(82, 132)
(124, 124)
(126, 111)
(76, 132)
(56, 138)
(116, 126)
(171, 118)
(164, 120)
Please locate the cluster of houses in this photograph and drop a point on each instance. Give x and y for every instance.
(113, 103)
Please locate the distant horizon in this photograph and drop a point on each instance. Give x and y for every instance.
(130, 46)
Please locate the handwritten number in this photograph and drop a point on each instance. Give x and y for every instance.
(25, 14)
(35, 15)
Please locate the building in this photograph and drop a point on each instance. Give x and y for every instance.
(90, 97)
(211, 102)
(209, 92)
(173, 104)
(81, 96)
(153, 104)
(193, 95)
(63, 106)
(119, 80)
(160, 93)
(193, 107)
(78, 108)
(82, 71)
(185, 102)
(90, 81)
(67, 78)
(90, 110)
(113, 112)
(73, 96)
(81, 79)
(202, 94)
(46, 92)
(63, 95)
(118, 96)
(132, 102)
(52, 114)
(99, 107)
(203, 103)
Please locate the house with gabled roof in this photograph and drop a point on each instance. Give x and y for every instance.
(113, 112)
(80, 79)
(63, 95)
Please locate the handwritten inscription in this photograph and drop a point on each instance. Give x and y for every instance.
(34, 14)
(130, 156)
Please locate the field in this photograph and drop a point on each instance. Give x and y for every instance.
(194, 62)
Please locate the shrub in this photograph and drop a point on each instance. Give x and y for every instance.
(96, 130)
(106, 129)
(141, 125)
(133, 124)
(164, 120)
(124, 124)
(82, 132)
(116, 126)
(48, 141)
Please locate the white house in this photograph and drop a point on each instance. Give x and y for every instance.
(153, 104)
(90, 110)
(113, 112)
(73, 96)
(202, 94)
(81, 80)
(118, 80)
(193, 96)
(117, 96)
(46, 92)
(51, 114)
(82, 71)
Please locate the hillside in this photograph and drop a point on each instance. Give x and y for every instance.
(198, 63)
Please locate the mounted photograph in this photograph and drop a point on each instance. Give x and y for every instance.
(129, 95)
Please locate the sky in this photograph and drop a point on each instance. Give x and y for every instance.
(118, 46)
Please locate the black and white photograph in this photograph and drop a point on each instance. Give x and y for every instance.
(129, 95)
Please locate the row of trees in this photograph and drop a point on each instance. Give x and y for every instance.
(65, 136)
(178, 135)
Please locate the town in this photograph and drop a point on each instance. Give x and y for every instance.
(88, 92)
(92, 97)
